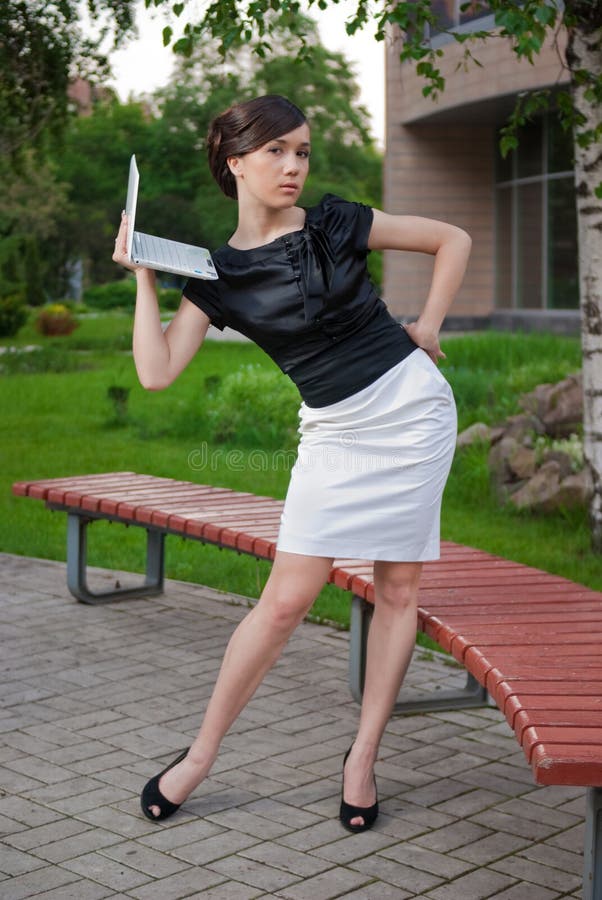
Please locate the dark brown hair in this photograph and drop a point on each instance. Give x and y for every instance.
(245, 127)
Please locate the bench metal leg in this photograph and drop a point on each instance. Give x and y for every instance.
(361, 614)
(472, 695)
(77, 554)
(592, 877)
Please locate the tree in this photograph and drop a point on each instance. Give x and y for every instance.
(92, 161)
(31, 208)
(42, 47)
(527, 25)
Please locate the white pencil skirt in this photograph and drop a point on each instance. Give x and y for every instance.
(371, 469)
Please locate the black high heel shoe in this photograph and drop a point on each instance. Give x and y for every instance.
(152, 796)
(349, 812)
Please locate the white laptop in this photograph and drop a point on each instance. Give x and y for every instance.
(160, 253)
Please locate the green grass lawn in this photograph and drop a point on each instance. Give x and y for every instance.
(58, 420)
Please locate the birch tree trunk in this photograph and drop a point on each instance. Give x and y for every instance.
(584, 52)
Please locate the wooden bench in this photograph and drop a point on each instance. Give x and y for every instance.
(530, 640)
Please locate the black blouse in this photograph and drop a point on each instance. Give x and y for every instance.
(307, 300)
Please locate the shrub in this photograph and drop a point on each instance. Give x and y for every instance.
(48, 359)
(13, 315)
(118, 395)
(255, 408)
(122, 295)
(169, 298)
(55, 319)
(572, 446)
(111, 295)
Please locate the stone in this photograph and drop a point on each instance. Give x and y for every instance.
(540, 490)
(523, 426)
(559, 406)
(498, 459)
(576, 490)
(473, 434)
(563, 459)
(522, 462)
(537, 400)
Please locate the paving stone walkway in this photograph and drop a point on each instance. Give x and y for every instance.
(95, 699)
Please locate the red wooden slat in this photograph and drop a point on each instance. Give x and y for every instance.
(40, 489)
(548, 735)
(581, 611)
(554, 705)
(250, 518)
(562, 718)
(246, 542)
(570, 685)
(264, 548)
(521, 633)
(564, 763)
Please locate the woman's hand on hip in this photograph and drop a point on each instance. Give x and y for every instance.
(427, 339)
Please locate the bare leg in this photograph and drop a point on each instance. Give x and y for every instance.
(390, 645)
(253, 649)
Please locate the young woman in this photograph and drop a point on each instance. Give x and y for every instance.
(377, 421)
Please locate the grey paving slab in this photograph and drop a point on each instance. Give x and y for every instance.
(555, 857)
(31, 883)
(478, 885)
(393, 872)
(17, 862)
(273, 854)
(189, 883)
(46, 834)
(378, 891)
(78, 890)
(100, 868)
(354, 846)
(97, 700)
(335, 883)
(536, 892)
(230, 890)
(26, 812)
(535, 873)
(451, 837)
(225, 844)
(253, 873)
(571, 839)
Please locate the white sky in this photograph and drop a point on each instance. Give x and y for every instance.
(145, 64)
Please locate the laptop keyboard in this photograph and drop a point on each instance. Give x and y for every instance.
(169, 253)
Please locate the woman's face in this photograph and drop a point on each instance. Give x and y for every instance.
(275, 173)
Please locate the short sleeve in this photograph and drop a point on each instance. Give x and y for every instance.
(346, 222)
(205, 295)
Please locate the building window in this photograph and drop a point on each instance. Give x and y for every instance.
(450, 15)
(536, 221)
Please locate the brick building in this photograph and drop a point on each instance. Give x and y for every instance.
(442, 161)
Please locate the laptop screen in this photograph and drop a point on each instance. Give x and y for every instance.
(130, 203)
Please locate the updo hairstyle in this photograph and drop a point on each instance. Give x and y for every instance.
(245, 127)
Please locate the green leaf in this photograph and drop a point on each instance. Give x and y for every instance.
(546, 15)
(507, 143)
(598, 191)
(167, 35)
(183, 46)
(178, 9)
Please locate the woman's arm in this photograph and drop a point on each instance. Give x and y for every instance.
(159, 355)
(449, 245)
